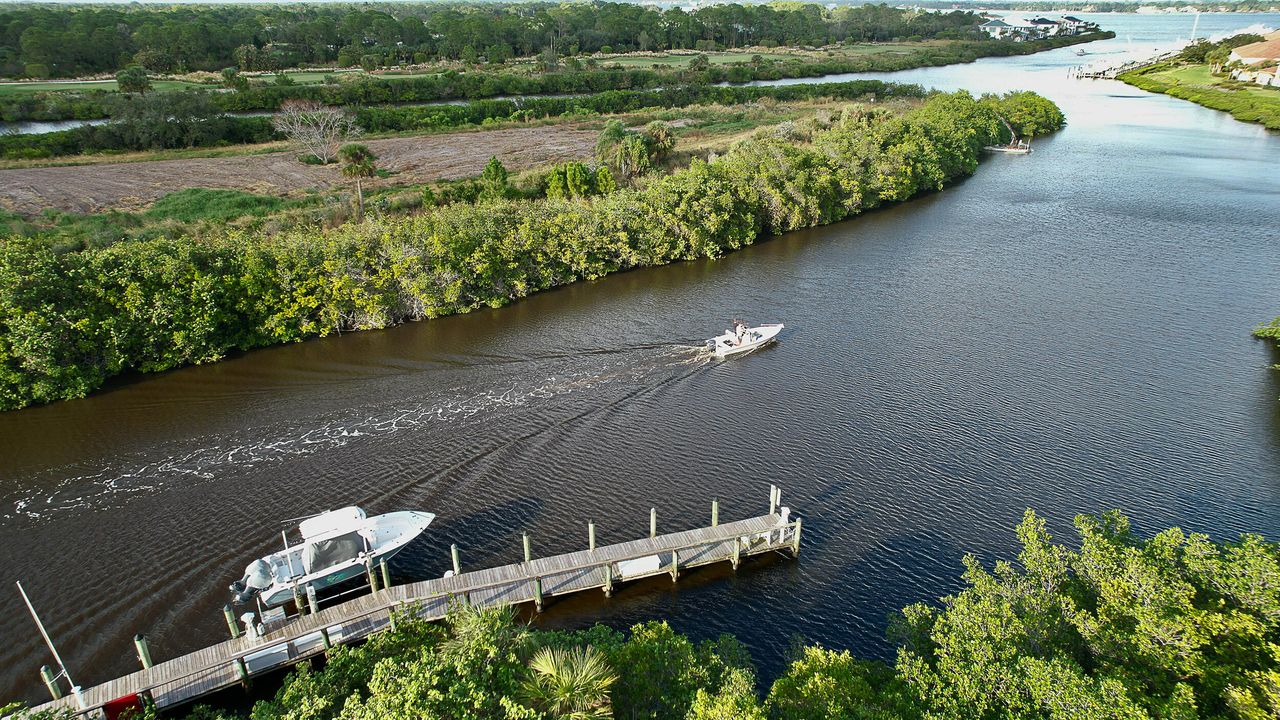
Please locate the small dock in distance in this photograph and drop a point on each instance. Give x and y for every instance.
(1110, 72)
(237, 660)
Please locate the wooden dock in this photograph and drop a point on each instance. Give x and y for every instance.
(1110, 72)
(236, 661)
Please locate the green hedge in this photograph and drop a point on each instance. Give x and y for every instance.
(68, 322)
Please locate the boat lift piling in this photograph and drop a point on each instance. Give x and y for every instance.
(282, 642)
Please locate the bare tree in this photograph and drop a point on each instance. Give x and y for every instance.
(319, 129)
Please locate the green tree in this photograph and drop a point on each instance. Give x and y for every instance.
(735, 700)
(613, 133)
(133, 79)
(659, 139)
(631, 156)
(233, 80)
(494, 180)
(359, 163)
(824, 684)
(570, 683)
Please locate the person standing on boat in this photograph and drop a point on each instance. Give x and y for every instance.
(739, 331)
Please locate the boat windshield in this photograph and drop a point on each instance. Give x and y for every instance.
(332, 551)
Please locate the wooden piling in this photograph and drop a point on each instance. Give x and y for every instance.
(232, 625)
(297, 601)
(144, 650)
(773, 499)
(795, 539)
(653, 522)
(371, 574)
(591, 535)
(313, 605)
(561, 575)
(715, 512)
(51, 681)
(528, 554)
(457, 564)
(386, 576)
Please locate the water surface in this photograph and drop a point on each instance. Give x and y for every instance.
(1066, 331)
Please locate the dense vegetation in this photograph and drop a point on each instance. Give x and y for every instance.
(52, 41)
(69, 321)
(574, 78)
(1269, 331)
(1246, 102)
(176, 120)
(1174, 627)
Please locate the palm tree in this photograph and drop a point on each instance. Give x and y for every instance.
(358, 162)
(570, 684)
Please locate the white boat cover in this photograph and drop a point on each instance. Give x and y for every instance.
(321, 554)
(347, 518)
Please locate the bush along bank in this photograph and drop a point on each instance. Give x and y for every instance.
(70, 321)
(142, 131)
(1243, 105)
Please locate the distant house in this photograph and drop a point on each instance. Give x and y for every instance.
(995, 28)
(1044, 27)
(1017, 29)
(1266, 52)
(1269, 77)
(1073, 25)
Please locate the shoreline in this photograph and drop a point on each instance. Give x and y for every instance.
(1257, 110)
(255, 291)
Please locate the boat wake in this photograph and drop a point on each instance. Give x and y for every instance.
(110, 482)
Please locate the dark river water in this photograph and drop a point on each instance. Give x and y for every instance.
(1067, 331)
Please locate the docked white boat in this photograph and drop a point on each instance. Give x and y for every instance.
(743, 339)
(335, 546)
(1020, 149)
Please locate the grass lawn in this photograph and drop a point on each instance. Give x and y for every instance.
(1199, 76)
(728, 57)
(29, 88)
(1246, 102)
(644, 60)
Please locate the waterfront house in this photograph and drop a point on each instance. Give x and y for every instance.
(996, 28)
(1267, 76)
(1043, 27)
(1266, 52)
(1071, 25)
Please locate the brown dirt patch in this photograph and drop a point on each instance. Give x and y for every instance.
(426, 158)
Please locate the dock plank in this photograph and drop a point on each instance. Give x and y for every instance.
(210, 669)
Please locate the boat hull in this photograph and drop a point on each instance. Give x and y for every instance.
(281, 595)
(759, 337)
(382, 536)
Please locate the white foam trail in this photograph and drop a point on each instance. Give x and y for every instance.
(119, 479)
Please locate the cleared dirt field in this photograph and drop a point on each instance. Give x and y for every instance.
(126, 186)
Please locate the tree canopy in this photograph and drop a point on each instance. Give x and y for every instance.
(1174, 626)
(64, 41)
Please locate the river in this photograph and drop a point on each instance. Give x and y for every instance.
(1067, 331)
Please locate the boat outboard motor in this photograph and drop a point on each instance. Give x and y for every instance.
(257, 577)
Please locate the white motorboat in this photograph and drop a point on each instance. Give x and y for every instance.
(1020, 148)
(743, 339)
(337, 545)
